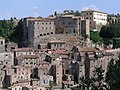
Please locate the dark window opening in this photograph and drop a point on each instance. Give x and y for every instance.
(44, 34)
(39, 47)
(1, 42)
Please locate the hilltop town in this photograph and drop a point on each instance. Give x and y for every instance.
(63, 51)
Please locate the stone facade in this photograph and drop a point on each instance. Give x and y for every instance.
(7, 58)
(38, 28)
(2, 44)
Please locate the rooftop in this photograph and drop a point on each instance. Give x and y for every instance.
(23, 49)
(28, 56)
(57, 41)
(91, 10)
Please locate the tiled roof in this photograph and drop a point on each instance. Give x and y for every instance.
(23, 49)
(90, 10)
(86, 49)
(57, 41)
(58, 51)
(28, 56)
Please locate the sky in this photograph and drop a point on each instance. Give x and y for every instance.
(44, 8)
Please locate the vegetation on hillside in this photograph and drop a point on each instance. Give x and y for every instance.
(113, 74)
(94, 36)
(109, 33)
(10, 31)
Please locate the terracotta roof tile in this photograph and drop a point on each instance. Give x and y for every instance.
(23, 49)
(28, 56)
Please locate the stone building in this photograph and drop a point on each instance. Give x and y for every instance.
(10, 46)
(113, 19)
(97, 59)
(70, 24)
(39, 31)
(2, 44)
(21, 74)
(27, 60)
(57, 69)
(25, 29)
(23, 51)
(67, 24)
(7, 58)
(2, 75)
(8, 71)
(85, 29)
(96, 18)
(56, 45)
(39, 28)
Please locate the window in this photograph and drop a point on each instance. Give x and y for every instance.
(39, 47)
(31, 62)
(45, 81)
(51, 32)
(90, 13)
(1, 42)
(47, 33)
(44, 34)
(40, 34)
(26, 62)
(1, 78)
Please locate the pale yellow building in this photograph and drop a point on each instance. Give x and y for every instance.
(96, 18)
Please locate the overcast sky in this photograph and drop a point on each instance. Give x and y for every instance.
(24, 8)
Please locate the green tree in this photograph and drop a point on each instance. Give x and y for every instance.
(77, 13)
(17, 34)
(98, 78)
(110, 31)
(113, 74)
(10, 31)
(99, 74)
(94, 36)
(116, 43)
(85, 82)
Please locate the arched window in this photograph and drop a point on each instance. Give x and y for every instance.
(1, 42)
